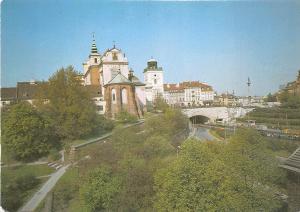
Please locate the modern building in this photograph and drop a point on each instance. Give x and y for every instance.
(188, 94)
(119, 88)
(154, 80)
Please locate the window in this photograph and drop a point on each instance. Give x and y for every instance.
(155, 81)
(113, 95)
(95, 59)
(99, 108)
(124, 96)
(115, 56)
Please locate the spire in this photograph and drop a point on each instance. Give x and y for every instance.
(94, 47)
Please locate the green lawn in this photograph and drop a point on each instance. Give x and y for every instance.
(36, 170)
(17, 186)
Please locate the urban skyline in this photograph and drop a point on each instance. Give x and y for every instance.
(220, 43)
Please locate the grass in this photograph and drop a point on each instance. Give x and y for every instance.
(10, 175)
(36, 170)
(215, 134)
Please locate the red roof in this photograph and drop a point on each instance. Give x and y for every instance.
(185, 85)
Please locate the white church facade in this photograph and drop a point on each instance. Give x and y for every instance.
(119, 89)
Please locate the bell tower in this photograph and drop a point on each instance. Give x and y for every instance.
(154, 80)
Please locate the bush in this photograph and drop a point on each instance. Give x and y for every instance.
(125, 117)
(104, 124)
(54, 155)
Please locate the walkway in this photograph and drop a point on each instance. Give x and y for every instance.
(41, 194)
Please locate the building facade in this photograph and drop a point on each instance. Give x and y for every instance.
(111, 73)
(189, 94)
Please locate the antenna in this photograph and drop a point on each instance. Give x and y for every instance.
(249, 84)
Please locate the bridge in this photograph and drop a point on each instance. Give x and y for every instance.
(215, 114)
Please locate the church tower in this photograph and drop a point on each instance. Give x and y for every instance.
(91, 67)
(154, 80)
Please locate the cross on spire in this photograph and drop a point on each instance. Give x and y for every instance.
(114, 42)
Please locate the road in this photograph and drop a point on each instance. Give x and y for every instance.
(203, 134)
(41, 194)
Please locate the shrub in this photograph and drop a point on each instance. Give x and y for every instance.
(54, 155)
(125, 117)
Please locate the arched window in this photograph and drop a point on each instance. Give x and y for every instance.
(155, 81)
(113, 96)
(95, 59)
(124, 96)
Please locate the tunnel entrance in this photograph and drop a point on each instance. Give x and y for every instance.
(199, 119)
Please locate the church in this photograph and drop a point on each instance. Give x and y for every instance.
(118, 88)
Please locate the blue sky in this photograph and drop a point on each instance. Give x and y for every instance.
(220, 43)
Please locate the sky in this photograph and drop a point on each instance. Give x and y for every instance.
(221, 43)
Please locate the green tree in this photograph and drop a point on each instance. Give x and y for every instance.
(193, 182)
(100, 189)
(160, 104)
(26, 134)
(289, 100)
(168, 124)
(271, 98)
(254, 169)
(239, 176)
(67, 104)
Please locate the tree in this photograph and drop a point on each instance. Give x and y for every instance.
(160, 103)
(289, 100)
(238, 176)
(65, 102)
(271, 98)
(254, 169)
(168, 124)
(100, 189)
(26, 134)
(193, 182)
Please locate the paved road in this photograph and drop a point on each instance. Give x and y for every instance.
(203, 134)
(41, 194)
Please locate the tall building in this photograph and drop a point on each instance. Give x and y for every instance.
(154, 80)
(120, 90)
